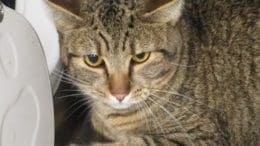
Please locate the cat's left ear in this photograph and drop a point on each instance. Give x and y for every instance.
(162, 11)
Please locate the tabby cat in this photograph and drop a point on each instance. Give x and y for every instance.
(164, 72)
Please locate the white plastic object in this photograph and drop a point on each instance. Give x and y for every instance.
(39, 14)
(26, 107)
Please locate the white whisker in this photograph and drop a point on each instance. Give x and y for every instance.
(69, 77)
(156, 121)
(70, 95)
(180, 65)
(75, 111)
(178, 105)
(184, 96)
(174, 118)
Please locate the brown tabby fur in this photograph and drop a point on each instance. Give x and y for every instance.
(200, 85)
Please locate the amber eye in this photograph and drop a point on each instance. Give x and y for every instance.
(93, 60)
(141, 57)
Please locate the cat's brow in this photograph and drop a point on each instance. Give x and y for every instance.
(147, 47)
(81, 51)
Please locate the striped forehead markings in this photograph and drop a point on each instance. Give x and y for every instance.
(105, 40)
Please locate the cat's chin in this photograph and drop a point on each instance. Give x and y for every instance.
(120, 106)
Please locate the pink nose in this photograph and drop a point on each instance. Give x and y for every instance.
(120, 97)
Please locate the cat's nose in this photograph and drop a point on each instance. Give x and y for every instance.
(119, 86)
(120, 97)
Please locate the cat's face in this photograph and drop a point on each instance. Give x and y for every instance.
(117, 58)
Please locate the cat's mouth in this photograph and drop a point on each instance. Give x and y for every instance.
(120, 105)
(127, 104)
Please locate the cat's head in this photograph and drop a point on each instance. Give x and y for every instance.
(118, 51)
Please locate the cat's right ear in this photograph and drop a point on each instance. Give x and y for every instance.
(66, 14)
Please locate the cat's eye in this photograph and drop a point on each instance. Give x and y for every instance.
(141, 57)
(93, 60)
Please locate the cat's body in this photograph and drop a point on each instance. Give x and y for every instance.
(198, 87)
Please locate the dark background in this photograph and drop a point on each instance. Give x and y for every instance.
(9, 3)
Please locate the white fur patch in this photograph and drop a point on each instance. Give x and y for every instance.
(124, 104)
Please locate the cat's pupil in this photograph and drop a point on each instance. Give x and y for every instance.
(93, 58)
(140, 56)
